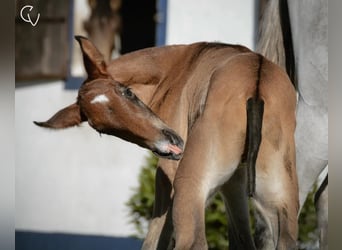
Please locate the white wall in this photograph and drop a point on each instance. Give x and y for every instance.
(227, 21)
(76, 181)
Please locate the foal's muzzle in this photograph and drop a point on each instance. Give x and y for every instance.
(170, 146)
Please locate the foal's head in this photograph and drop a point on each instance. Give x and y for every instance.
(112, 108)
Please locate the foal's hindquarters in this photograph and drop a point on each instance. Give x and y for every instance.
(215, 148)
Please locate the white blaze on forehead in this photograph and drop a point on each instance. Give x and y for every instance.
(100, 99)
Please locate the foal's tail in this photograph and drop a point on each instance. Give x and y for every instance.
(255, 111)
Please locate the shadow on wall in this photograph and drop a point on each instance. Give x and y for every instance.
(57, 241)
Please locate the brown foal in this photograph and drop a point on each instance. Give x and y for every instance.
(235, 113)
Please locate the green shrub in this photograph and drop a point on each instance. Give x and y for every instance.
(141, 206)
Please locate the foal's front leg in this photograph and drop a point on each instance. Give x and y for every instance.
(189, 204)
(208, 161)
(160, 229)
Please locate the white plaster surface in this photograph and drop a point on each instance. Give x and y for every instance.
(227, 21)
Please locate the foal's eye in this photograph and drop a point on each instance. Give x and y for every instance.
(128, 93)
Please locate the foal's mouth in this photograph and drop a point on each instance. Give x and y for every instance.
(171, 147)
(175, 154)
(171, 152)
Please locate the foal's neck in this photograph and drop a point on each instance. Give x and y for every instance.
(149, 70)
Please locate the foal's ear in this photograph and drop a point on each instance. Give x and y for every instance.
(92, 58)
(67, 117)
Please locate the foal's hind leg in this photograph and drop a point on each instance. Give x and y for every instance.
(276, 197)
(235, 197)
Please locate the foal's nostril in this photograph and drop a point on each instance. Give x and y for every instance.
(169, 135)
(173, 137)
